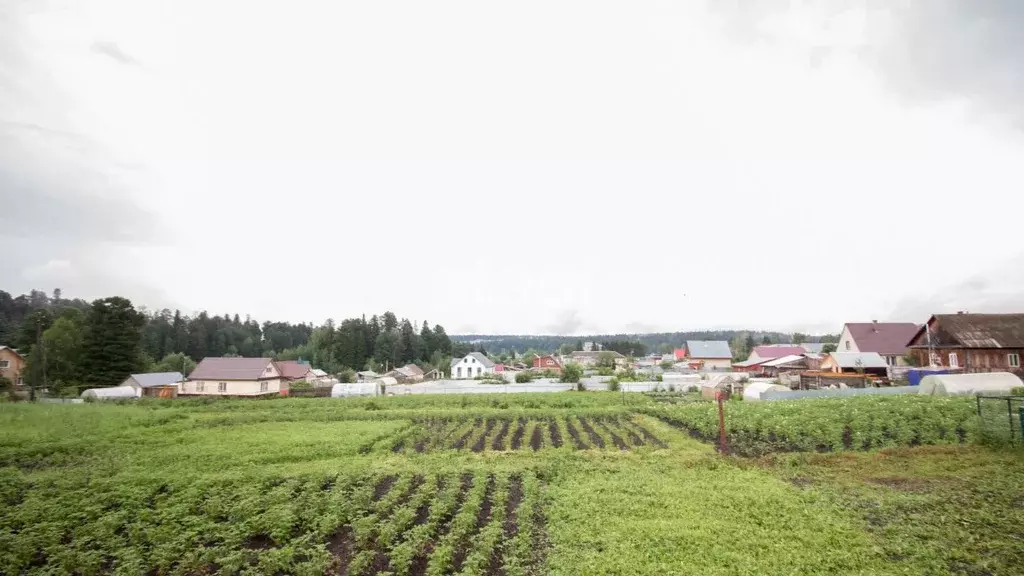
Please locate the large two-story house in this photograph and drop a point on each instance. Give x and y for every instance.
(970, 342)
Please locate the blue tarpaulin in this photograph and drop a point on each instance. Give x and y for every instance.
(914, 375)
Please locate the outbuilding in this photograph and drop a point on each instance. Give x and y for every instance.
(964, 384)
(155, 384)
(111, 393)
(354, 389)
(754, 390)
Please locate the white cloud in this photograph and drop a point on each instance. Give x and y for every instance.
(540, 167)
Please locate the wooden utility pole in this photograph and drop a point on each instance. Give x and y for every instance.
(723, 444)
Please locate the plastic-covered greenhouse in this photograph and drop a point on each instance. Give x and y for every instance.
(982, 383)
(112, 393)
(754, 389)
(358, 389)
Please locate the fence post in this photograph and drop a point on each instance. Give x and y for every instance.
(1009, 416)
(979, 405)
(722, 442)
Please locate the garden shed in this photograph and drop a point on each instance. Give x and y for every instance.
(954, 384)
(111, 393)
(754, 389)
(726, 384)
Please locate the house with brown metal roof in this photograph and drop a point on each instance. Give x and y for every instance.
(888, 339)
(971, 342)
(293, 370)
(235, 377)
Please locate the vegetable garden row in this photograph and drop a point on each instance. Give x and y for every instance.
(500, 434)
(407, 524)
(826, 425)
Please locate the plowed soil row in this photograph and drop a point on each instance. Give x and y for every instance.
(503, 434)
(343, 546)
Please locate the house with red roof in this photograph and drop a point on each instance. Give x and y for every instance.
(547, 362)
(891, 340)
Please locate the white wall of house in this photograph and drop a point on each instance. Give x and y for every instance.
(846, 343)
(231, 387)
(470, 367)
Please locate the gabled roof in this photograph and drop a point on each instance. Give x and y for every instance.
(708, 349)
(887, 338)
(594, 354)
(13, 351)
(410, 370)
(319, 373)
(212, 368)
(750, 362)
(979, 330)
(859, 360)
(784, 360)
(292, 370)
(157, 378)
(771, 352)
(487, 363)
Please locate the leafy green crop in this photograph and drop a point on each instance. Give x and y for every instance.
(829, 424)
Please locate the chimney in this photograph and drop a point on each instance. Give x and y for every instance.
(874, 326)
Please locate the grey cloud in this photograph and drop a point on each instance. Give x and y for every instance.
(1000, 289)
(62, 186)
(113, 51)
(926, 50)
(567, 322)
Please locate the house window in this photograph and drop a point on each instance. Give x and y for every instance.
(473, 360)
(954, 362)
(264, 386)
(890, 360)
(5, 363)
(458, 372)
(847, 344)
(477, 370)
(199, 386)
(222, 387)
(1013, 360)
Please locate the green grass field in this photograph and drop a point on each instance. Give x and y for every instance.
(573, 483)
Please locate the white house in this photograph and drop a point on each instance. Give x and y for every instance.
(889, 339)
(233, 377)
(472, 365)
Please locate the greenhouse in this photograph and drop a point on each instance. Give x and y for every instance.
(357, 389)
(754, 389)
(955, 384)
(112, 393)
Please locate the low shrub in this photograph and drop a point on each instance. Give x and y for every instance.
(572, 373)
(613, 385)
(524, 377)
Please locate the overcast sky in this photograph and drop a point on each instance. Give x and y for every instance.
(518, 167)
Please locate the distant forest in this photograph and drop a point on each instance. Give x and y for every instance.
(741, 341)
(70, 343)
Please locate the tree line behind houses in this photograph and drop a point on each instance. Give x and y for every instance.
(71, 343)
